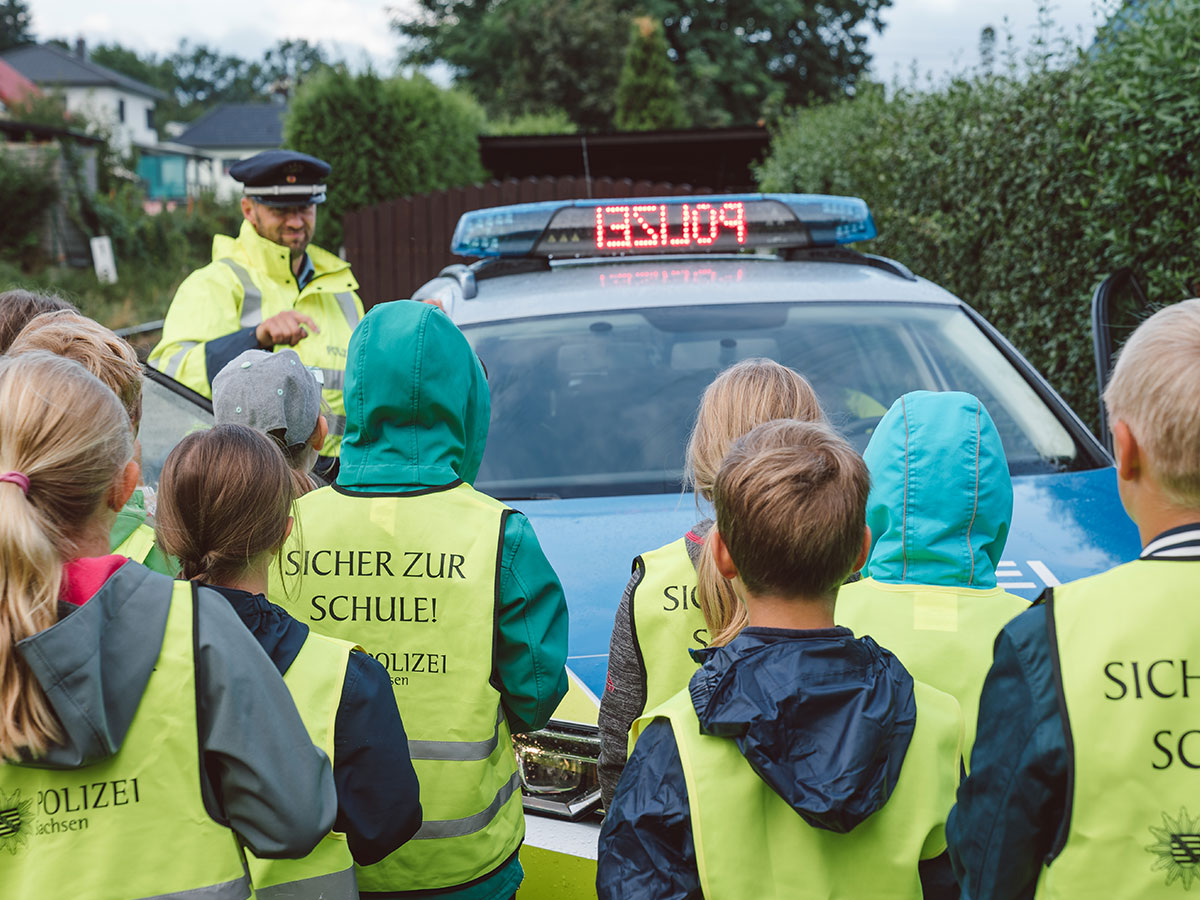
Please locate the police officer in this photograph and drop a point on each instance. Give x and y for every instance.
(269, 287)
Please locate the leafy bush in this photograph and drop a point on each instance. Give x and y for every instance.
(26, 190)
(1019, 192)
(647, 95)
(384, 138)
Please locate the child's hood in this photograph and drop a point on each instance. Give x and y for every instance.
(94, 663)
(824, 718)
(941, 495)
(417, 403)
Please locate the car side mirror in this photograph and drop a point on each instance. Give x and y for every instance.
(1118, 307)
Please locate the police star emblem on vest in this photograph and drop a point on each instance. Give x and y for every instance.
(15, 816)
(1177, 848)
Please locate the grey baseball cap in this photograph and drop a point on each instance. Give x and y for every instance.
(268, 392)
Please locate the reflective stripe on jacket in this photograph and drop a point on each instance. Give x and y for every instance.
(250, 280)
(315, 679)
(134, 825)
(667, 620)
(1123, 646)
(750, 843)
(414, 579)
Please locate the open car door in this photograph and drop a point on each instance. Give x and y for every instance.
(1118, 307)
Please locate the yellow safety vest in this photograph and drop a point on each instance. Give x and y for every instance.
(138, 545)
(414, 579)
(751, 843)
(315, 679)
(133, 825)
(250, 280)
(667, 620)
(1126, 656)
(942, 635)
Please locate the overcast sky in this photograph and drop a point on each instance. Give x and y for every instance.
(941, 35)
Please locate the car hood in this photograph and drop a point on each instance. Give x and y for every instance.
(1064, 526)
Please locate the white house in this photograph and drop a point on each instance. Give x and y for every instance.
(119, 102)
(228, 133)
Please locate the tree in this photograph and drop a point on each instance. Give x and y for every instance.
(647, 95)
(15, 24)
(735, 62)
(738, 62)
(384, 138)
(521, 57)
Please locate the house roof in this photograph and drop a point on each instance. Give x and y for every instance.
(48, 65)
(14, 87)
(249, 125)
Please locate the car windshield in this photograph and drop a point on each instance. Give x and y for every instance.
(601, 403)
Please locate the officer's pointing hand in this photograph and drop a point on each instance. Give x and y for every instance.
(288, 327)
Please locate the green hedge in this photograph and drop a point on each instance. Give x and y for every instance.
(27, 189)
(1020, 193)
(384, 137)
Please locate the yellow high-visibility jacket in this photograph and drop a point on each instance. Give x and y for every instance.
(249, 280)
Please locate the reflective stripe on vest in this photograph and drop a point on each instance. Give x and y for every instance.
(138, 545)
(349, 309)
(133, 825)
(315, 680)
(667, 620)
(738, 818)
(414, 580)
(1128, 673)
(942, 635)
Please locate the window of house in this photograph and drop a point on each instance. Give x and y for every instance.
(150, 118)
(120, 110)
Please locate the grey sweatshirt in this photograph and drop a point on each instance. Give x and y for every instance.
(261, 776)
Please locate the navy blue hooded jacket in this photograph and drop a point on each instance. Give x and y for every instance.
(377, 793)
(833, 751)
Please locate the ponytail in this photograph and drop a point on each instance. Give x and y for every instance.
(68, 436)
(724, 614)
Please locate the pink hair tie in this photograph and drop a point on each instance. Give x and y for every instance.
(21, 481)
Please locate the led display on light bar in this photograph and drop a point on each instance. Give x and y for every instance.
(655, 225)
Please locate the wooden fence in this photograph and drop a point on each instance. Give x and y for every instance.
(398, 245)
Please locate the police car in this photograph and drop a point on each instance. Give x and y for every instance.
(600, 322)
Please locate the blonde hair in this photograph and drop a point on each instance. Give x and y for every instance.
(1154, 389)
(99, 350)
(791, 501)
(66, 432)
(746, 394)
(223, 500)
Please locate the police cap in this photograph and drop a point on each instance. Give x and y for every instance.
(282, 177)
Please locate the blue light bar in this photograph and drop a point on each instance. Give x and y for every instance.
(708, 223)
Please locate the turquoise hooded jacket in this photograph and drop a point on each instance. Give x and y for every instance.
(417, 411)
(941, 497)
(939, 511)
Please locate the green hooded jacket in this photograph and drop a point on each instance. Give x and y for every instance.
(417, 410)
(132, 517)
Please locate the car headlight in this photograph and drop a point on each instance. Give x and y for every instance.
(558, 767)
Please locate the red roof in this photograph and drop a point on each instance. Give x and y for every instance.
(14, 87)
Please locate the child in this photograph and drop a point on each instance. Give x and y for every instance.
(446, 586)
(18, 307)
(1083, 773)
(659, 617)
(113, 361)
(224, 500)
(939, 510)
(275, 394)
(801, 761)
(142, 723)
